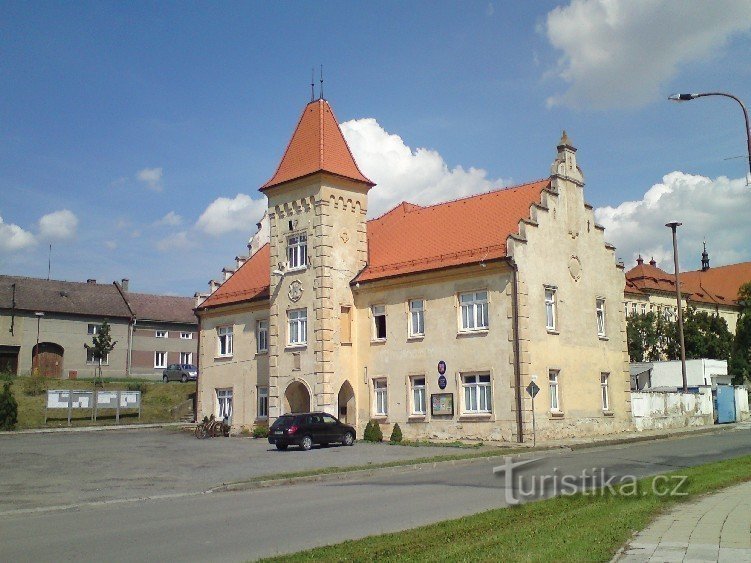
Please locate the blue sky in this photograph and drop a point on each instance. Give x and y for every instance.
(122, 123)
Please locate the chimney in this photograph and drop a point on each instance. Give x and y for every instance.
(90, 280)
(640, 260)
(124, 283)
(653, 262)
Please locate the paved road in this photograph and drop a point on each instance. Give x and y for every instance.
(246, 525)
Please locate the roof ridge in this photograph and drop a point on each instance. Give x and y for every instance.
(401, 203)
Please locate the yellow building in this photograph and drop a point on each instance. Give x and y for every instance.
(436, 317)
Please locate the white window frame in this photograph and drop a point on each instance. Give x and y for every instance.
(474, 311)
(381, 396)
(157, 363)
(551, 308)
(161, 334)
(633, 309)
(224, 341)
(416, 318)
(554, 383)
(186, 336)
(600, 314)
(297, 327)
(643, 308)
(224, 403)
(605, 390)
(297, 251)
(187, 356)
(262, 336)
(378, 311)
(262, 412)
(418, 398)
(477, 395)
(91, 361)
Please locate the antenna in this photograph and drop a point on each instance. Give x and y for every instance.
(312, 84)
(321, 96)
(49, 263)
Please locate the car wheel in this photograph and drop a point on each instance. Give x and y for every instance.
(281, 447)
(184, 378)
(166, 379)
(348, 439)
(307, 443)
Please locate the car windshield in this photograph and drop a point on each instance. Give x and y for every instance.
(284, 421)
(189, 366)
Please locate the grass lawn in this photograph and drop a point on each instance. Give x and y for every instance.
(160, 402)
(575, 528)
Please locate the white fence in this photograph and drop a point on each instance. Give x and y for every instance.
(654, 410)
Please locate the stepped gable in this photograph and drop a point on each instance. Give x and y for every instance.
(317, 145)
(249, 283)
(410, 238)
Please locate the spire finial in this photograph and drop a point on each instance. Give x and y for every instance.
(565, 141)
(640, 260)
(705, 258)
(320, 97)
(312, 84)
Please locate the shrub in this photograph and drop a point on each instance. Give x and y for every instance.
(137, 386)
(373, 432)
(261, 431)
(396, 434)
(244, 432)
(34, 385)
(6, 376)
(8, 409)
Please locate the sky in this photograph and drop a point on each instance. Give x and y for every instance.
(134, 136)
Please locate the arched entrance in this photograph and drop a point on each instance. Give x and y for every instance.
(296, 398)
(347, 411)
(47, 358)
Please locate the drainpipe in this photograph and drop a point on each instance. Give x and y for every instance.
(517, 351)
(131, 328)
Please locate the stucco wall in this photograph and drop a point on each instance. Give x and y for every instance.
(671, 410)
(741, 404)
(145, 344)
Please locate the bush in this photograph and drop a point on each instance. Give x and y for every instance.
(34, 385)
(396, 434)
(137, 386)
(373, 432)
(8, 409)
(7, 376)
(260, 431)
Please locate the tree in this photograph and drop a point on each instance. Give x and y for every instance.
(740, 355)
(648, 337)
(8, 408)
(101, 346)
(705, 336)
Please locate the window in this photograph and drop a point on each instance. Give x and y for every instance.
(186, 335)
(604, 377)
(418, 395)
(417, 317)
(91, 360)
(345, 325)
(600, 308)
(93, 329)
(474, 308)
(379, 322)
(160, 359)
(161, 334)
(298, 326)
(262, 336)
(224, 404)
(380, 391)
(224, 335)
(633, 309)
(550, 319)
(263, 402)
(476, 393)
(555, 403)
(625, 308)
(186, 357)
(643, 308)
(297, 251)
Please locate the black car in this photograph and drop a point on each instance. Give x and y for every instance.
(306, 429)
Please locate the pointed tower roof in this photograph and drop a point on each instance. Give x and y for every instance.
(317, 145)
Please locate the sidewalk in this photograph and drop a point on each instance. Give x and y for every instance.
(716, 527)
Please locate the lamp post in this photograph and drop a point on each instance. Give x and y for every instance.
(687, 97)
(673, 225)
(39, 316)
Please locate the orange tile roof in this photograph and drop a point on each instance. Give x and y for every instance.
(411, 238)
(723, 282)
(249, 283)
(317, 145)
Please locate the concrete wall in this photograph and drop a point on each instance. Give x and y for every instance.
(741, 404)
(655, 410)
(698, 372)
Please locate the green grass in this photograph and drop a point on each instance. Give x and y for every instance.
(576, 528)
(160, 402)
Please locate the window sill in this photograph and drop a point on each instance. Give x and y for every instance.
(552, 331)
(476, 417)
(479, 331)
(262, 353)
(602, 337)
(608, 413)
(296, 269)
(225, 357)
(378, 341)
(416, 338)
(417, 418)
(556, 414)
(381, 418)
(295, 347)
(345, 343)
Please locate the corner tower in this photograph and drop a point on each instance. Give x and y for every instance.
(317, 203)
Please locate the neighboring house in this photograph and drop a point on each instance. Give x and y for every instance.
(358, 318)
(668, 374)
(715, 290)
(62, 316)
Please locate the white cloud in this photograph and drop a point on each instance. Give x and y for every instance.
(620, 53)
(715, 209)
(419, 176)
(178, 241)
(58, 225)
(224, 215)
(171, 219)
(13, 237)
(152, 177)
(110, 244)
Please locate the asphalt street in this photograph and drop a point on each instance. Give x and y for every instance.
(246, 525)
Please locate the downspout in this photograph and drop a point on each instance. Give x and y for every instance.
(517, 350)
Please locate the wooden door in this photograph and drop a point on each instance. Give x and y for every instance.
(49, 359)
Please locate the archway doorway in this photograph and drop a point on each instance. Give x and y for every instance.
(347, 411)
(296, 398)
(47, 358)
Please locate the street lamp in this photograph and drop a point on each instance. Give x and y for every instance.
(687, 97)
(39, 316)
(673, 225)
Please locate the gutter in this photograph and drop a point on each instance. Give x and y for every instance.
(517, 352)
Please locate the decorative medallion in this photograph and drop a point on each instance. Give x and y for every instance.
(344, 236)
(295, 291)
(575, 268)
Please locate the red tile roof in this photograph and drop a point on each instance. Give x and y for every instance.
(317, 145)
(249, 283)
(410, 238)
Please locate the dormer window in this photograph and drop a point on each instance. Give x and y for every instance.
(297, 251)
